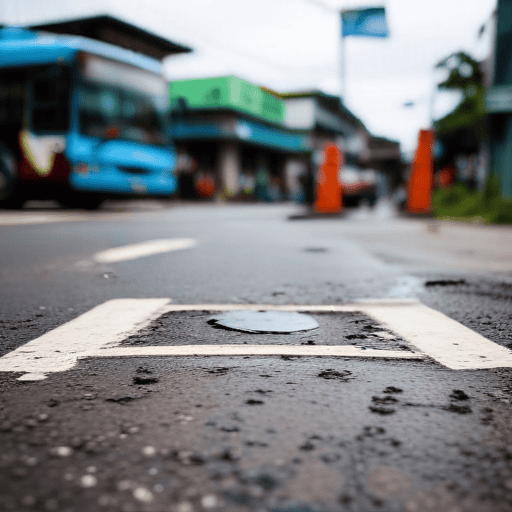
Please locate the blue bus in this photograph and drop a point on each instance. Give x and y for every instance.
(81, 120)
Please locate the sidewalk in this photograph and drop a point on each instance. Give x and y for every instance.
(444, 245)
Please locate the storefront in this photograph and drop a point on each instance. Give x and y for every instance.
(231, 133)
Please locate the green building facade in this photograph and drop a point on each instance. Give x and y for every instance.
(228, 92)
(234, 132)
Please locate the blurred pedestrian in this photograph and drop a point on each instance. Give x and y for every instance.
(261, 184)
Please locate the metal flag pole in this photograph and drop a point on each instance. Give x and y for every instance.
(339, 12)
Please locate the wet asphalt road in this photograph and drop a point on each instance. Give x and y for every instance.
(254, 433)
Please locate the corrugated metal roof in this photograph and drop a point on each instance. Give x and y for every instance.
(112, 30)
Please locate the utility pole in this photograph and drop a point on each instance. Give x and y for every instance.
(343, 93)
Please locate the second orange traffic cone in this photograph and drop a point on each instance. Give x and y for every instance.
(419, 186)
(329, 190)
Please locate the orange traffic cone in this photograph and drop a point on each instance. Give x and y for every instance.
(329, 190)
(419, 186)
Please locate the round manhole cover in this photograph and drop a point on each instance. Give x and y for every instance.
(281, 322)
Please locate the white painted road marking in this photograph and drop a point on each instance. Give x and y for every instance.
(99, 333)
(256, 350)
(105, 325)
(131, 252)
(440, 337)
(17, 219)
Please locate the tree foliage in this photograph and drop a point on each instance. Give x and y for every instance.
(465, 76)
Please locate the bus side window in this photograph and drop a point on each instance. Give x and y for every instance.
(43, 91)
(51, 88)
(12, 107)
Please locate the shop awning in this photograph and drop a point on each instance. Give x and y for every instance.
(243, 130)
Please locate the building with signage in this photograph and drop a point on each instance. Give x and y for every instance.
(247, 139)
(233, 133)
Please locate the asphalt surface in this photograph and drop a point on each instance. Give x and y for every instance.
(248, 433)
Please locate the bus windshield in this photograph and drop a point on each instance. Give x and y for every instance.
(117, 100)
(109, 112)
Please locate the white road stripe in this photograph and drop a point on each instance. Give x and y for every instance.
(99, 333)
(438, 336)
(105, 325)
(131, 252)
(256, 350)
(338, 308)
(15, 220)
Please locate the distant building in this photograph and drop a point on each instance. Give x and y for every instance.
(499, 102)
(328, 120)
(112, 30)
(253, 142)
(233, 132)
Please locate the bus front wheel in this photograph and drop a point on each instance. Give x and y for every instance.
(82, 201)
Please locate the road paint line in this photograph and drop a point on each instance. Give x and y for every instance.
(25, 217)
(99, 333)
(267, 307)
(105, 325)
(256, 350)
(15, 220)
(440, 337)
(338, 308)
(149, 248)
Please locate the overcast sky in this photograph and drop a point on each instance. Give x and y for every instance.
(293, 45)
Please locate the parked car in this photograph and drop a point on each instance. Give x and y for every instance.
(358, 185)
